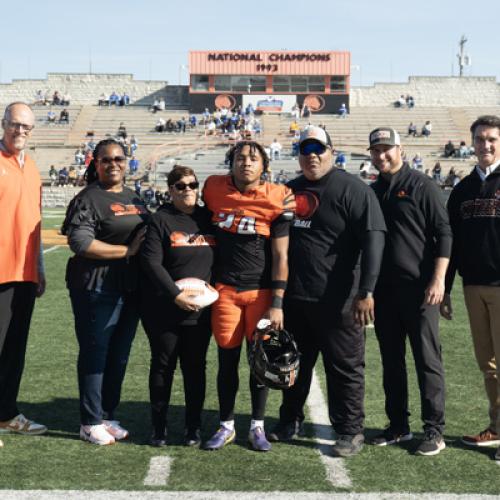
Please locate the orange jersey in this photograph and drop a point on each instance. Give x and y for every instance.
(20, 192)
(249, 213)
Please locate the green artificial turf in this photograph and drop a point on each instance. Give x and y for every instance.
(60, 460)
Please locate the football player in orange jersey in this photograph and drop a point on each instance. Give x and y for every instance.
(252, 219)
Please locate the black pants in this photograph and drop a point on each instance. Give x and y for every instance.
(16, 308)
(228, 382)
(401, 312)
(189, 344)
(317, 328)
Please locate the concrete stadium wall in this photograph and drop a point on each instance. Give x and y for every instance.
(432, 91)
(83, 88)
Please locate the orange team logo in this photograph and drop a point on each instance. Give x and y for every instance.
(182, 239)
(401, 193)
(314, 102)
(121, 209)
(225, 101)
(307, 204)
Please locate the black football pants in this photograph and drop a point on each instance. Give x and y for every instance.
(400, 312)
(318, 329)
(16, 307)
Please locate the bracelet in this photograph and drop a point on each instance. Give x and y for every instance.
(278, 285)
(277, 302)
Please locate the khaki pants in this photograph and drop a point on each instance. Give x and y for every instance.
(483, 306)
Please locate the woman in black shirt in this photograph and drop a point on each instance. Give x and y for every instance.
(104, 224)
(179, 244)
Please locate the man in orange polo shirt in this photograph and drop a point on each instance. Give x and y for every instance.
(21, 266)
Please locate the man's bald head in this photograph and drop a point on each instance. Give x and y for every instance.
(17, 123)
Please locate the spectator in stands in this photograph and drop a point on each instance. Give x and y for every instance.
(66, 100)
(170, 126)
(137, 187)
(294, 126)
(412, 129)
(464, 151)
(53, 175)
(364, 169)
(88, 157)
(125, 99)
(79, 157)
(161, 104)
(122, 131)
(275, 149)
(81, 175)
(436, 172)
(341, 160)
(149, 196)
(114, 99)
(156, 106)
(51, 116)
(133, 144)
(427, 128)
(56, 98)
(449, 149)
(295, 112)
(249, 110)
(39, 99)
(192, 121)
(181, 125)
(417, 162)
(63, 176)
(133, 165)
(64, 116)
(160, 125)
(159, 198)
(306, 111)
(257, 127)
(103, 100)
(72, 175)
(342, 110)
(410, 102)
(281, 177)
(295, 147)
(400, 102)
(211, 128)
(206, 117)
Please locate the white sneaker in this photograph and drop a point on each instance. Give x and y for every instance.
(96, 434)
(114, 428)
(22, 425)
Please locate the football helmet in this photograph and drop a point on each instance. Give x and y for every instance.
(273, 357)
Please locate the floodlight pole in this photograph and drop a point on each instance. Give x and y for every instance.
(461, 55)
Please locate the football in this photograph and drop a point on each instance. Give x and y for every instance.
(202, 293)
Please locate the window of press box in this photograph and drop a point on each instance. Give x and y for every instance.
(199, 82)
(240, 83)
(298, 84)
(337, 84)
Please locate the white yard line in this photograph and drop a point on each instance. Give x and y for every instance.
(336, 472)
(159, 471)
(51, 249)
(226, 495)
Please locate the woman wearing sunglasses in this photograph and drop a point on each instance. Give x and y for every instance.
(105, 227)
(179, 244)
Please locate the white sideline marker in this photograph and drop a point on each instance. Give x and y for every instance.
(336, 473)
(159, 471)
(51, 249)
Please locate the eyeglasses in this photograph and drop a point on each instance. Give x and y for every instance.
(181, 186)
(20, 126)
(108, 160)
(312, 147)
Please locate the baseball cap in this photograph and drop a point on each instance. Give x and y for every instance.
(384, 135)
(313, 133)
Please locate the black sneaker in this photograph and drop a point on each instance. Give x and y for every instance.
(286, 432)
(432, 443)
(158, 439)
(391, 436)
(348, 445)
(192, 437)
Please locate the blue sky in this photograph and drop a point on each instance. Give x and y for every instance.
(389, 40)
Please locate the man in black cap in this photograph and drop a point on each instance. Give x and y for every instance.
(336, 246)
(409, 290)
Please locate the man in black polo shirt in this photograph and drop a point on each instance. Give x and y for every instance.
(336, 246)
(409, 290)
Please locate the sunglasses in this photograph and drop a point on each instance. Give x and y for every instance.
(181, 186)
(20, 126)
(108, 160)
(312, 147)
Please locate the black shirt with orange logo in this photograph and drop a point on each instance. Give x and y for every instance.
(112, 218)
(418, 230)
(177, 245)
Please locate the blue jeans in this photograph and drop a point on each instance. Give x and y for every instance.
(105, 324)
